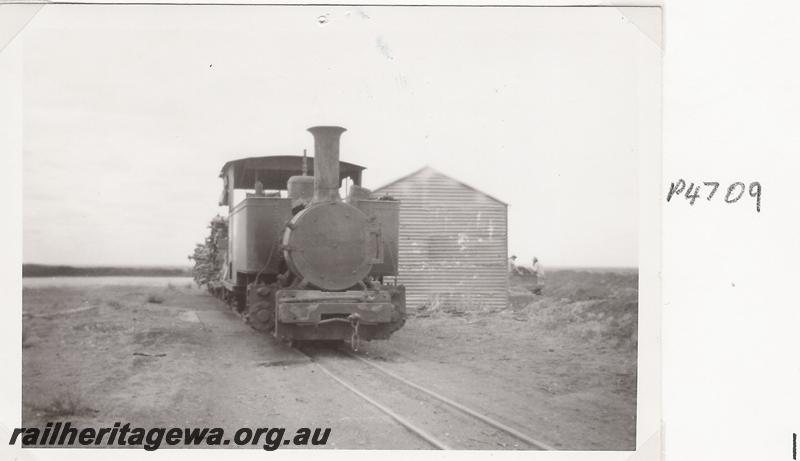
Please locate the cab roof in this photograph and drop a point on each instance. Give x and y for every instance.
(274, 171)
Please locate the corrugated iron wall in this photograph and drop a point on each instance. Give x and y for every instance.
(453, 243)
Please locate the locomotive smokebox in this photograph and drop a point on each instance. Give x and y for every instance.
(330, 244)
(326, 162)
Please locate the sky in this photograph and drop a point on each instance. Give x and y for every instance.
(131, 111)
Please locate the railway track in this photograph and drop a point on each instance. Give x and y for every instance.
(440, 421)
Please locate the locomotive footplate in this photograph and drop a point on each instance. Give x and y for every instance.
(315, 307)
(311, 314)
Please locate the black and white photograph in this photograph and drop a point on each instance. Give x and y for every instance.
(376, 227)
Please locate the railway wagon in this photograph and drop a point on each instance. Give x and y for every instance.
(302, 262)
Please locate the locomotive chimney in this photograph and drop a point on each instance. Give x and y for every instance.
(326, 162)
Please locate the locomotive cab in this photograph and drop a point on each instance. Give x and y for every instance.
(302, 262)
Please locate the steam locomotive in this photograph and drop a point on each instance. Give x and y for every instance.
(300, 261)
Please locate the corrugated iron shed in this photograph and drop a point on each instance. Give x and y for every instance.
(453, 242)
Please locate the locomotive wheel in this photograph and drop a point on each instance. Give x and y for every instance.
(260, 312)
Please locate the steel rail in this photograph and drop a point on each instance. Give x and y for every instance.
(486, 419)
(404, 422)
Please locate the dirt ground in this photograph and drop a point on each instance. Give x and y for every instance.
(562, 365)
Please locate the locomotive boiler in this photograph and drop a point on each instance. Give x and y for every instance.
(302, 262)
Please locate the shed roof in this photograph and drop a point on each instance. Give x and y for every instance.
(274, 171)
(433, 170)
